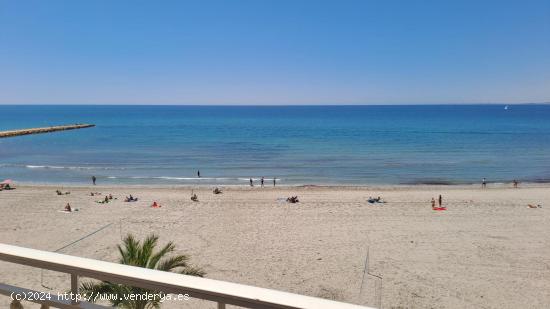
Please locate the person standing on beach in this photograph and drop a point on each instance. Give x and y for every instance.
(199, 174)
(433, 203)
(440, 200)
(274, 181)
(93, 180)
(515, 183)
(483, 183)
(262, 182)
(251, 183)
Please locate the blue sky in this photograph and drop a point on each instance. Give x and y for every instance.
(274, 52)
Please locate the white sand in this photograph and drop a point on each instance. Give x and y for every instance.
(488, 250)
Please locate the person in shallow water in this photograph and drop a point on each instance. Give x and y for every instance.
(199, 174)
(93, 180)
(251, 183)
(262, 182)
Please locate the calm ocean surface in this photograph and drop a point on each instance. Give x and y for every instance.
(298, 144)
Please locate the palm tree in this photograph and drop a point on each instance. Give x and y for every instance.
(135, 253)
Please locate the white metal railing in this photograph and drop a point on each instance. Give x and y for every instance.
(201, 288)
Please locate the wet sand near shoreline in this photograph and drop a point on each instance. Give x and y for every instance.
(487, 250)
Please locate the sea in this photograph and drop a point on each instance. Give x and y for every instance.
(296, 145)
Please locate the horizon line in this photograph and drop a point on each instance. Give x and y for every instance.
(281, 104)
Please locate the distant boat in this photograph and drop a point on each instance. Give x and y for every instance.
(506, 107)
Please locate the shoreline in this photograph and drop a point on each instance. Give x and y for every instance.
(268, 186)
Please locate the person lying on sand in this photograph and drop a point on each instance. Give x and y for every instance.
(155, 205)
(6, 187)
(375, 200)
(61, 193)
(217, 191)
(534, 206)
(130, 199)
(292, 199)
(95, 193)
(104, 201)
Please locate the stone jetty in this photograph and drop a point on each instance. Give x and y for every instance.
(44, 130)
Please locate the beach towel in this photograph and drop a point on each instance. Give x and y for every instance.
(439, 208)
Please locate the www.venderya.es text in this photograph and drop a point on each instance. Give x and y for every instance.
(97, 297)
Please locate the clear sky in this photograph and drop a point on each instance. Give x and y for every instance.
(274, 52)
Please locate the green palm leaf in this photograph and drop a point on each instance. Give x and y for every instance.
(141, 254)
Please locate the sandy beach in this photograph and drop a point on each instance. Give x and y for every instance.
(487, 250)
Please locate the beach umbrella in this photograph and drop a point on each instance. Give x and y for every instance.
(5, 182)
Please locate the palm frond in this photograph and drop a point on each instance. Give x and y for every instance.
(173, 262)
(146, 250)
(92, 289)
(193, 271)
(168, 248)
(142, 254)
(129, 252)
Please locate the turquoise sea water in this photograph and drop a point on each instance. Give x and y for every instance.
(296, 144)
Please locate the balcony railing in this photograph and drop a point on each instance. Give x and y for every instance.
(220, 292)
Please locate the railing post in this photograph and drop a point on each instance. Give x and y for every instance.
(74, 289)
(221, 305)
(15, 304)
